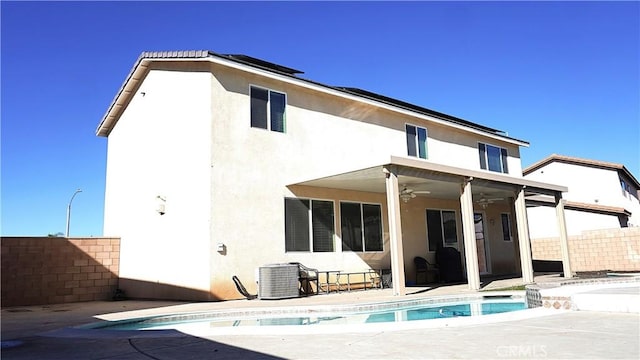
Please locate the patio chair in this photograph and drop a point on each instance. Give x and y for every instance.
(424, 267)
(306, 277)
(450, 264)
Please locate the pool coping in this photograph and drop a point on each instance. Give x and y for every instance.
(100, 329)
(561, 295)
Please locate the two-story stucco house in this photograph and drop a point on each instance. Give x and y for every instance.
(219, 164)
(602, 195)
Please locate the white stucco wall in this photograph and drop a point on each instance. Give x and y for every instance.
(456, 148)
(161, 147)
(586, 184)
(325, 135)
(543, 223)
(589, 185)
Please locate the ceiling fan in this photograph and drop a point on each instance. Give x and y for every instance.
(407, 194)
(484, 201)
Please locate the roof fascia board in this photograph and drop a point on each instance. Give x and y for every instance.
(578, 206)
(123, 97)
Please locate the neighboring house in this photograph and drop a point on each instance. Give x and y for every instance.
(219, 164)
(601, 195)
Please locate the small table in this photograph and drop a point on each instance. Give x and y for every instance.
(327, 283)
(364, 274)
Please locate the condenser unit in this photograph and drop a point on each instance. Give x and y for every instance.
(278, 281)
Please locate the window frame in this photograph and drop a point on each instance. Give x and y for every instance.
(418, 150)
(507, 216)
(484, 157)
(362, 226)
(443, 242)
(268, 109)
(310, 225)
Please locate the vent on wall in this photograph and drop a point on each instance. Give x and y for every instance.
(278, 281)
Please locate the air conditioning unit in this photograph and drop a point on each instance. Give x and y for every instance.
(278, 281)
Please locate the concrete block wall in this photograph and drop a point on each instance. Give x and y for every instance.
(595, 250)
(51, 270)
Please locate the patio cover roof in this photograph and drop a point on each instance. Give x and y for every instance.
(441, 180)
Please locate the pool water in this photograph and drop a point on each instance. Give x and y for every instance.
(398, 314)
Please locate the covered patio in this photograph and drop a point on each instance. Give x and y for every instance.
(403, 179)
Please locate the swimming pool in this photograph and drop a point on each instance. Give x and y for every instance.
(344, 317)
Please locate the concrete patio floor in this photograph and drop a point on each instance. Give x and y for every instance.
(34, 332)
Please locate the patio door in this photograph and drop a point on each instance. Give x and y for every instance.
(481, 243)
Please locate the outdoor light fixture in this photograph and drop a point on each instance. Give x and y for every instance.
(161, 202)
(69, 211)
(406, 196)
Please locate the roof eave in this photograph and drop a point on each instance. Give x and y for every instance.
(140, 70)
(123, 97)
(578, 161)
(132, 81)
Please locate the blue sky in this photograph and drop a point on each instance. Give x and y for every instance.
(563, 76)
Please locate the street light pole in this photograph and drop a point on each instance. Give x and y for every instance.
(69, 210)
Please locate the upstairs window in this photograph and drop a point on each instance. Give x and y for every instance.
(309, 225)
(493, 158)
(625, 187)
(416, 141)
(268, 109)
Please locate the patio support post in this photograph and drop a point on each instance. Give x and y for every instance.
(523, 237)
(564, 239)
(395, 230)
(469, 235)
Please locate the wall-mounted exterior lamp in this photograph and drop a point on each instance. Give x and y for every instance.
(161, 204)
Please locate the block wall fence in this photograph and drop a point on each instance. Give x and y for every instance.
(51, 270)
(595, 250)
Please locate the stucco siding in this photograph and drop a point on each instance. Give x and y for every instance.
(185, 142)
(161, 148)
(325, 135)
(543, 223)
(586, 184)
(253, 166)
(456, 148)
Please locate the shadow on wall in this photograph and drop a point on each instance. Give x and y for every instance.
(51, 270)
(55, 270)
(143, 290)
